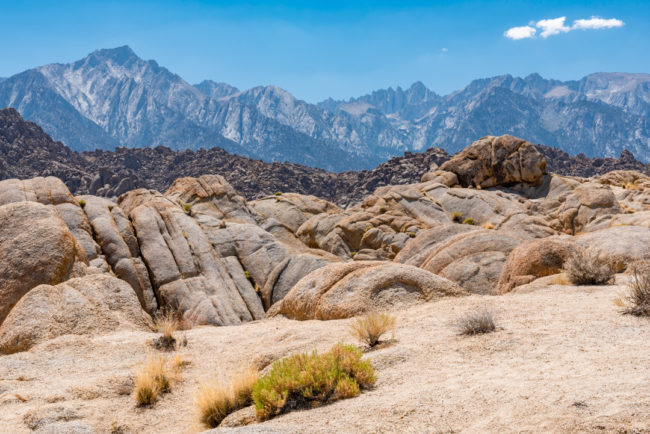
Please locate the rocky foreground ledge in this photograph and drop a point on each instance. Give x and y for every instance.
(489, 221)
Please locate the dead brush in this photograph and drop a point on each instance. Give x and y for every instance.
(166, 323)
(371, 327)
(215, 401)
(476, 323)
(637, 301)
(152, 379)
(585, 267)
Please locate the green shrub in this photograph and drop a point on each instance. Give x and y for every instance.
(82, 203)
(247, 274)
(468, 221)
(456, 216)
(278, 193)
(309, 380)
(187, 208)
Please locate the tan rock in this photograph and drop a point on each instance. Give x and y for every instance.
(348, 289)
(493, 161)
(186, 272)
(97, 304)
(114, 234)
(36, 248)
(534, 259)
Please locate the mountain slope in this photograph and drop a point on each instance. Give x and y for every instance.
(114, 98)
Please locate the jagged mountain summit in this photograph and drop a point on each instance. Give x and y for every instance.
(114, 98)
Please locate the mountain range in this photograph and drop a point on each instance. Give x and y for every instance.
(113, 98)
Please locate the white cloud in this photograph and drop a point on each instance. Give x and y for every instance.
(444, 50)
(555, 26)
(552, 27)
(595, 23)
(520, 32)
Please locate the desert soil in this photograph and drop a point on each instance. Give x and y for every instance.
(564, 359)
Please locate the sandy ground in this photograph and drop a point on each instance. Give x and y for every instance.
(563, 360)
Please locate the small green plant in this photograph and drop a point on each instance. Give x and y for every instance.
(247, 274)
(476, 323)
(278, 193)
(456, 216)
(352, 253)
(411, 234)
(371, 327)
(187, 207)
(309, 380)
(82, 203)
(468, 221)
(383, 210)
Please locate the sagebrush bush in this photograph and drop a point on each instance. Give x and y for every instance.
(370, 328)
(216, 401)
(584, 267)
(309, 380)
(152, 378)
(479, 322)
(637, 301)
(457, 217)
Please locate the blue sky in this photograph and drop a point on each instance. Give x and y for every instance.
(334, 48)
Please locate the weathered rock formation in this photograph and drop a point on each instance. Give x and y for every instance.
(96, 304)
(349, 289)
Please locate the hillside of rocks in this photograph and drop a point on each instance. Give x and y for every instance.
(26, 151)
(489, 225)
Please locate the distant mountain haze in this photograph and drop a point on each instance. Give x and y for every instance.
(113, 98)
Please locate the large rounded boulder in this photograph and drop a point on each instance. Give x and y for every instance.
(343, 290)
(493, 161)
(89, 305)
(36, 247)
(534, 259)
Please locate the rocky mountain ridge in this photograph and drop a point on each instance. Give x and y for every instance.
(113, 98)
(27, 152)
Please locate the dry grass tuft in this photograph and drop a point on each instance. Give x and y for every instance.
(479, 322)
(371, 327)
(166, 323)
(152, 379)
(584, 267)
(637, 301)
(488, 225)
(217, 400)
(309, 380)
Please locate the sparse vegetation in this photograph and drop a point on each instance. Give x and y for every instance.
(187, 207)
(488, 226)
(411, 234)
(468, 221)
(478, 322)
(585, 267)
(456, 216)
(309, 380)
(216, 401)
(278, 193)
(383, 210)
(371, 327)
(166, 323)
(247, 274)
(637, 301)
(152, 379)
(82, 203)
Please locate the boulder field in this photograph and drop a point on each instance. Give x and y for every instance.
(488, 220)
